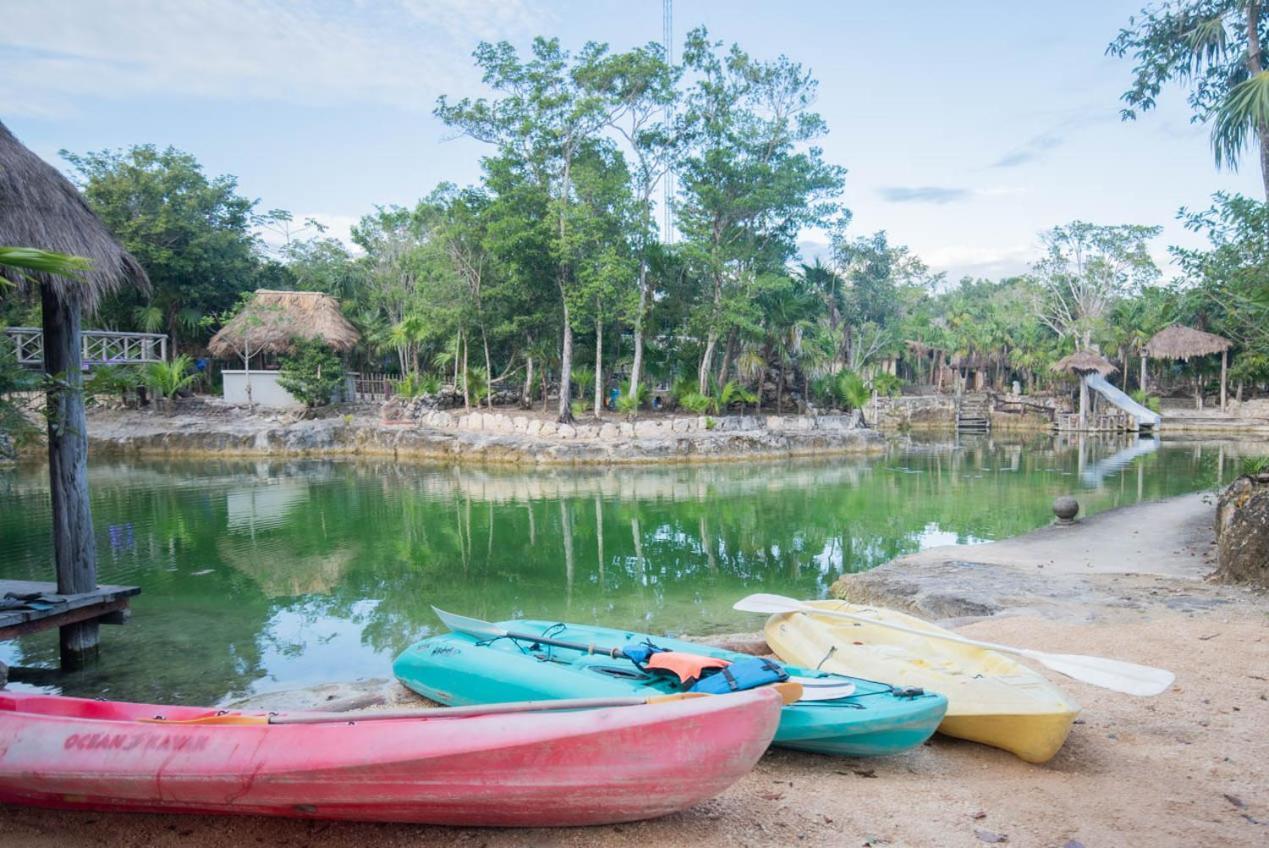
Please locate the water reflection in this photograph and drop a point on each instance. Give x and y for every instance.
(263, 575)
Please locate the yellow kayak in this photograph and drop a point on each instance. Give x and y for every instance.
(990, 698)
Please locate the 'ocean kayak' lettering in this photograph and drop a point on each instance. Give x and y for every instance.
(130, 741)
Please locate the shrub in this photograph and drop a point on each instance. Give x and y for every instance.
(168, 379)
(112, 380)
(824, 391)
(682, 387)
(477, 384)
(710, 423)
(887, 384)
(697, 402)
(410, 386)
(852, 390)
(584, 378)
(630, 401)
(1150, 402)
(1253, 465)
(580, 407)
(311, 372)
(732, 393)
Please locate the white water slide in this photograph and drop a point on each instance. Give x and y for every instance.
(1144, 416)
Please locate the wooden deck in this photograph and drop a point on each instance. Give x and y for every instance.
(107, 604)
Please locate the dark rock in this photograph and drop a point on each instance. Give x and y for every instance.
(1065, 508)
(1242, 531)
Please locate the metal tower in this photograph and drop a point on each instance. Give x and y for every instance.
(667, 38)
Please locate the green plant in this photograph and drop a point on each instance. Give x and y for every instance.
(887, 384)
(168, 379)
(311, 372)
(682, 387)
(733, 393)
(13, 380)
(111, 380)
(477, 384)
(710, 423)
(580, 407)
(1253, 465)
(852, 390)
(631, 401)
(409, 387)
(824, 391)
(584, 378)
(1151, 402)
(697, 402)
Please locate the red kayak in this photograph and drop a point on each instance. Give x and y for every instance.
(524, 769)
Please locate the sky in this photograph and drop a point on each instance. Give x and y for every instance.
(966, 128)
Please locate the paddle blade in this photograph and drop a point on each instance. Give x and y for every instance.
(1116, 675)
(762, 602)
(470, 626)
(823, 688)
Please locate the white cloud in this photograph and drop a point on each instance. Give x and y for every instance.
(980, 260)
(400, 53)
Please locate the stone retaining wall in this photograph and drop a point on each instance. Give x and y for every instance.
(649, 428)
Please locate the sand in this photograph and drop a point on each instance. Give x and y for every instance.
(1187, 768)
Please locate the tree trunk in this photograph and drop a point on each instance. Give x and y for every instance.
(466, 394)
(566, 371)
(636, 367)
(729, 353)
(526, 396)
(488, 368)
(780, 387)
(702, 374)
(599, 366)
(1083, 402)
(74, 550)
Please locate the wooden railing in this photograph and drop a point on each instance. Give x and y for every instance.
(1021, 407)
(97, 347)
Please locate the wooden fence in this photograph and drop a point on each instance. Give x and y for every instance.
(373, 387)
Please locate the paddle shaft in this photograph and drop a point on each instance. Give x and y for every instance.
(485, 709)
(615, 653)
(949, 637)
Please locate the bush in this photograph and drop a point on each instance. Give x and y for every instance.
(311, 372)
(112, 380)
(168, 379)
(584, 378)
(412, 386)
(697, 402)
(1253, 465)
(1150, 402)
(710, 423)
(630, 401)
(733, 393)
(580, 407)
(824, 391)
(887, 384)
(852, 391)
(682, 387)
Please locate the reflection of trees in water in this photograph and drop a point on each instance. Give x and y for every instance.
(221, 549)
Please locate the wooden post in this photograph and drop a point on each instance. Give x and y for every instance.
(73, 547)
(1224, 371)
(1083, 402)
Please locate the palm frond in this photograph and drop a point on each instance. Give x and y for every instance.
(1244, 111)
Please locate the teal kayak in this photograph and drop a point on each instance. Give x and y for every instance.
(457, 669)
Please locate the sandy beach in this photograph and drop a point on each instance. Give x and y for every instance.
(1187, 768)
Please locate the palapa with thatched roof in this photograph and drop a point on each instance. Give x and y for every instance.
(40, 208)
(272, 321)
(1178, 342)
(1085, 362)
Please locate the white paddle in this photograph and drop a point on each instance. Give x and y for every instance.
(1126, 677)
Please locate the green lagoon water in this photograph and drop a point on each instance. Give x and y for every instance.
(267, 575)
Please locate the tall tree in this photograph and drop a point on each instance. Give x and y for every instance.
(751, 179)
(196, 237)
(1086, 268)
(1217, 48)
(547, 114)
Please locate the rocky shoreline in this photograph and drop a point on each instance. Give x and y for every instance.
(498, 440)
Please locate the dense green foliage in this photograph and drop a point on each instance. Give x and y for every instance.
(311, 372)
(168, 379)
(1218, 49)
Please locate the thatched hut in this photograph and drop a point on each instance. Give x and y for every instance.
(1082, 363)
(272, 321)
(40, 208)
(1184, 343)
(269, 325)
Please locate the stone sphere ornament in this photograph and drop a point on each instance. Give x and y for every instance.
(1066, 508)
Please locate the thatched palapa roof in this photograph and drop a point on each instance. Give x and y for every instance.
(1085, 362)
(272, 320)
(40, 208)
(1177, 342)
